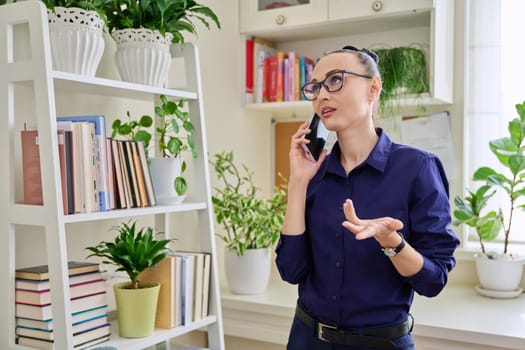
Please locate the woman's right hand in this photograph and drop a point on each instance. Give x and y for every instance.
(301, 168)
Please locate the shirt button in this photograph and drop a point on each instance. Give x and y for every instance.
(338, 235)
(338, 264)
(334, 297)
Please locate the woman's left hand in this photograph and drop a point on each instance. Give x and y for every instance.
(379, 228)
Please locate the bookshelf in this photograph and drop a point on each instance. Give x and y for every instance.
(34, 71)
(314, 26)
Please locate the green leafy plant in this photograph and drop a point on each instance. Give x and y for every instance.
(172, 121)
(90, 5)
(132, 251)
(510, 153)
(166, 16)
(404, 72)
(250, 222)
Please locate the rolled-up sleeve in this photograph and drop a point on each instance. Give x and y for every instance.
(293, 257)
(430, 234)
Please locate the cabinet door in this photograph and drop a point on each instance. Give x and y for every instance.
(352, 9)
(258, 15)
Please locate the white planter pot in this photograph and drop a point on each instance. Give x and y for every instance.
(76, 40)
(500, 273)
(143, 55)
(250, 273)
(163, 173)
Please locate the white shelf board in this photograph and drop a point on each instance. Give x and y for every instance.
(116, 88)
(133, 212)
(303, 109)
(159, 335)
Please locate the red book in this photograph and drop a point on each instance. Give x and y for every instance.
(249, 70)
(271, 78)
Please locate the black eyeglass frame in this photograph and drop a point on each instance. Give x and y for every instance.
(323, 84)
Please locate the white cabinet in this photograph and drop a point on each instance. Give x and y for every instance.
(359, 9)
(428, 24)
(258, 15)
(33, 71)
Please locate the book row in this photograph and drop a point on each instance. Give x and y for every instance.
(33, 309)
(273, 75)
(97, 173)
(185, 288)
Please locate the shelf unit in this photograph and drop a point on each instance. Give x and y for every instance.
(321, 25)
(36, 72)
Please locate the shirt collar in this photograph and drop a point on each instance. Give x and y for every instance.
(377, 159)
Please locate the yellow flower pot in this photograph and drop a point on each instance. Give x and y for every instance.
(136, 309)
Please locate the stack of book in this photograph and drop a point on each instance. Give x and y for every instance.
(33, 310)
(184, 290)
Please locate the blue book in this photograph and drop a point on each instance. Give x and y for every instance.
(102, 187)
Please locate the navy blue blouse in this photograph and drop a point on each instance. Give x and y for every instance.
(351, 283)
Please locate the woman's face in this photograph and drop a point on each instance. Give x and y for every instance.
(353, 103)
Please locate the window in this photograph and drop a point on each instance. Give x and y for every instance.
(495, 83)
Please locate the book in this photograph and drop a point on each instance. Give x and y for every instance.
(141, 185)
(77, 318)
(80, 340)
(41, 272)
(167, 272)
(48, 334)
(206, 285)
(40, 285)
(249, 70)
(31, 171)
(120, 193)
(186, 287)
(87, 160)
(198, 281)
(126, 176)
(132, 174)
(39, 312)
(43, 297)
(99, 155)
(67, 127)
(262, 49)
(146, 173)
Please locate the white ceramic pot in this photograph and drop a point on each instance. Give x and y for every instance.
(250, 273)
(143, 55)
(163, 173)
(499, 272)
(76, 40)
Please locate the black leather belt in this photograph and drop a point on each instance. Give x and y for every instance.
(377, 337)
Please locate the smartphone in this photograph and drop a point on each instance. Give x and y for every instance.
(318, 137)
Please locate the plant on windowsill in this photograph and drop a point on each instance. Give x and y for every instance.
(144, 31)
(505, 268)
(404, 74)
(172, 135)
(251, 224)
(133, 251)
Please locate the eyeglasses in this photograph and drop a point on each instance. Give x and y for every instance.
(332, 83)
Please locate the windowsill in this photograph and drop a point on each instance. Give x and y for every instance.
(458, 314)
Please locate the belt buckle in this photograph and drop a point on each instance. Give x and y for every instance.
(320, 327)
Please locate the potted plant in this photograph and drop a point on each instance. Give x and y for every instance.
(251, 225)
(144, 30)
(75, 33)
(498, 271)
(173, 134)
(404, 73)
(133, 251)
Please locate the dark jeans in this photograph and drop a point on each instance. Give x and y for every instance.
(303, 338)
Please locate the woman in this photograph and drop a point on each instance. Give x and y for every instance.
(366, 225)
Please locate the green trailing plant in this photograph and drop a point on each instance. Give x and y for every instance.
(172, 134)
(509, 151)
(166, 16)
(132, 251)
(404, 72)
(249, 222)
